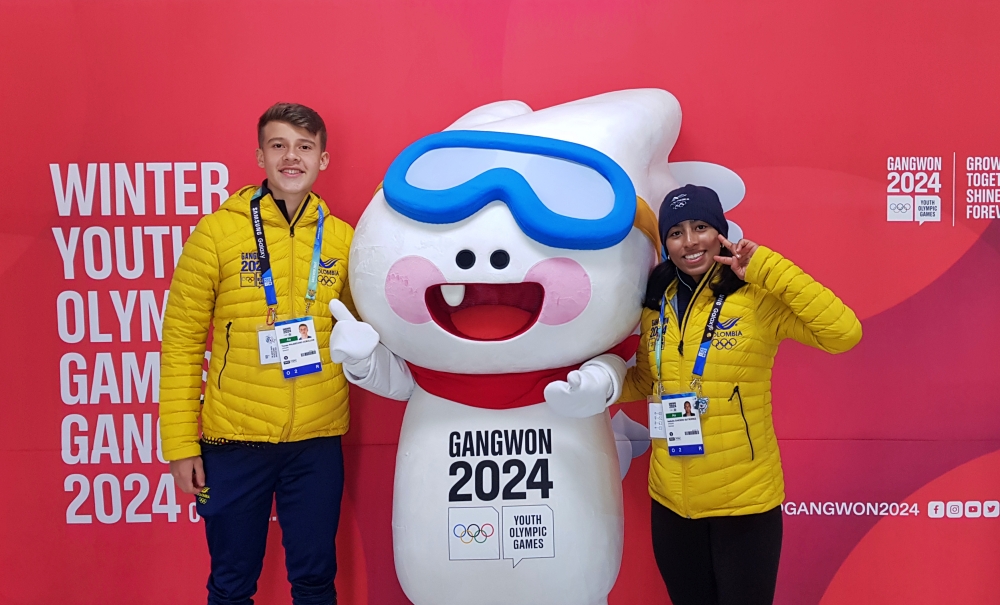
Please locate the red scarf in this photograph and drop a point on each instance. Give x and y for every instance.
(501, 391)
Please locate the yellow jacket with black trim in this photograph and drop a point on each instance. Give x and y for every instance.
(740, 472)
(217, 283)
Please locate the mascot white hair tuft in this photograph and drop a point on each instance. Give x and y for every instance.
(501, 262)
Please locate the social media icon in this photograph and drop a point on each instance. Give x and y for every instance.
(954, 509)
(935, 509)
(973, 509)
(991, 509)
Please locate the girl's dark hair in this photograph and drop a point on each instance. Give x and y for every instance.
(725, 281)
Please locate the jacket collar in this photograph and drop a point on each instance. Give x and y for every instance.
(306, 214)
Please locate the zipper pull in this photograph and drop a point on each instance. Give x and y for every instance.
(736, 391)
(291, 231)
(680, 348)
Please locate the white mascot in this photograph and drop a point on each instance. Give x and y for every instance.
(498, 264)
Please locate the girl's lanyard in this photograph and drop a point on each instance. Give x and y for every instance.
(702, 357)
(264, 260)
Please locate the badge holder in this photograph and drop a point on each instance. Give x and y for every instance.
(267, 339)
(298, 347)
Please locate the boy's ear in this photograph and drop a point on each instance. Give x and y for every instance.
(324, 160)
(260, 157)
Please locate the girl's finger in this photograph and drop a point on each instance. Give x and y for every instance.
(726, 260)
(728, 244)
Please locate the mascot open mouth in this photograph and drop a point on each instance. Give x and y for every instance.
(485, 311)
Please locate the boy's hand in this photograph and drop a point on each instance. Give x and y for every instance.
(189, 474)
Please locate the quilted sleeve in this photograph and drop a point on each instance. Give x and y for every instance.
(793, 305)
(186, 321)
(638, 383)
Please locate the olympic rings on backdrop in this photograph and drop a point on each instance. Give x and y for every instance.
(473, 532)
(724, 343)
(901, 207)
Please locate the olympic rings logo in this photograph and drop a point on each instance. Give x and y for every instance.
(902, 207)
(473, 533)
(724, 343)
(326, 280)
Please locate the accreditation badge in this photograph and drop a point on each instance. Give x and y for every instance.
(298, 347)
(682, 424)
(657, 424)
(267, 345)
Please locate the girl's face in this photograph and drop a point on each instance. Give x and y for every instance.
(692, 246)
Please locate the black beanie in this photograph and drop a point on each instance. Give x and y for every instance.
(692, 203)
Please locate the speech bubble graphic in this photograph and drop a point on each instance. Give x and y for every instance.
(528, 533)
(927, 208)
(473, 533)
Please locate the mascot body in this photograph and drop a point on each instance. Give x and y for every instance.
(498, 264)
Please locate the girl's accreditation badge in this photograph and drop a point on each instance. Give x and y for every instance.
(682, 424)
(298, 347)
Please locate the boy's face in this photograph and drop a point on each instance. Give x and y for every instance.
(292, 159)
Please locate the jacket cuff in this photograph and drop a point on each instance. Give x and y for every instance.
(615, 367)
(189, 450)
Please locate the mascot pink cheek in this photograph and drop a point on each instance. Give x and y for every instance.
(567, 289)
(406, 284)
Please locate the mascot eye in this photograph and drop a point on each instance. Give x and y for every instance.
(499, 259)
(465, 259)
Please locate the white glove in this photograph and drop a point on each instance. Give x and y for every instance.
(351, 341)
(589, 390)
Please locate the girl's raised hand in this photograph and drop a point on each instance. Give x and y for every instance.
(740, 260)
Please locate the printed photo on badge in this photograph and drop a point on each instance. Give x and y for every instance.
(303, 331)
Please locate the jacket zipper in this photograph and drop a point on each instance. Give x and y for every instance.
(687, 312)
(746, 425)
(680, 351)
(225, 358)
(291, 289)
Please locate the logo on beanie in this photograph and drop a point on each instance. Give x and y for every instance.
(679, 201)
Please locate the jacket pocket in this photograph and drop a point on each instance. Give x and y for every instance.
(225, 357)
(746, 425)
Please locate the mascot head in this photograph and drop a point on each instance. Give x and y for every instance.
(517, 240)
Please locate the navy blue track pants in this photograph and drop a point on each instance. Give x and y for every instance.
(306, 480)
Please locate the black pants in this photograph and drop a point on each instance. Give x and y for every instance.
(306, 480)
(717, 560)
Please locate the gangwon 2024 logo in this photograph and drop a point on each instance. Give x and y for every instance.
(249, 270)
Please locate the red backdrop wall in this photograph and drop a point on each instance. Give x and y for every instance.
(891, 452)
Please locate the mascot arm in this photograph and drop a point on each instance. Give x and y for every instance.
(589, 390)
(383, 373)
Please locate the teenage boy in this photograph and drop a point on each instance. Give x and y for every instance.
(274, 406)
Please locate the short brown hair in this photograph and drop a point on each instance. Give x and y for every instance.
(296, 115)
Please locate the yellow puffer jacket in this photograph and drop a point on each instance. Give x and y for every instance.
(216, 283)
(740, 472)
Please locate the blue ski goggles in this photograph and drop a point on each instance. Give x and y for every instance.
(561, 194)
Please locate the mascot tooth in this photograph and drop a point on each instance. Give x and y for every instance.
(501, 260)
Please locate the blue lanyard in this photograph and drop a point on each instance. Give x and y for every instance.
(314, 264)
(264, 259)
(706, 339)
